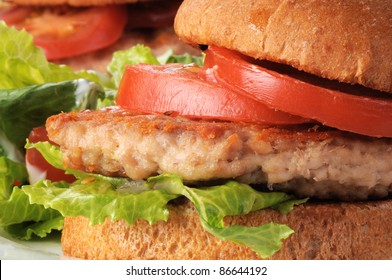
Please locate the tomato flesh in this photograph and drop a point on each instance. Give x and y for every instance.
(37, 166)
(64, 31)
(179, 89)
(348, 109)
(13, 15)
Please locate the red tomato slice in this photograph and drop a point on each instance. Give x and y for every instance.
(356, 109)
(12, 15)
(37, 166)
(65, 31)
(176, 88)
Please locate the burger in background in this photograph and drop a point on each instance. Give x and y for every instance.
(84, 34)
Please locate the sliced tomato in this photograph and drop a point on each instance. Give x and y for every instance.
(355, 109)
(69, 31)
(13, 15)
(37, 166)
(178, 89)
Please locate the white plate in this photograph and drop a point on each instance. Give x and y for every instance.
(14, 249)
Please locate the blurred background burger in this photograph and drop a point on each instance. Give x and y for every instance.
(84, 34)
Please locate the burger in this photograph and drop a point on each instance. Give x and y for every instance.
(84, 34)
(278, 147)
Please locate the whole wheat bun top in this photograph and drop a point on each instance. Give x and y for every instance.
(73, 2)
(345, 40)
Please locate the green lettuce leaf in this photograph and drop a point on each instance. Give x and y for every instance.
(98, 197)
(26, 212)
(142, 54)
(51, 153)
(27, 230)
(287, 206)
(25, 108)
(169, 57)
(18, 216)
(232, 199)
(10, 171)
(23, 64)
(135, 55)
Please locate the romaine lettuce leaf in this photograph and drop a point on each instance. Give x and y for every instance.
(23, 109)
(232, 199)
(135, 55)
(18, 209)
(10, 171)
(169, 57)
(142, 54)
(27, 230)
(23, 64)
(97, 199)
(18, 216)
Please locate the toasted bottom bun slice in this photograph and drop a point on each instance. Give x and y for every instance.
(358, 230)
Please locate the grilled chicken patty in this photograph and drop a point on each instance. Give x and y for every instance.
(304, 160)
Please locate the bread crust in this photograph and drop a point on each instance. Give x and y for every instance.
(348, 41)
(322, 231)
